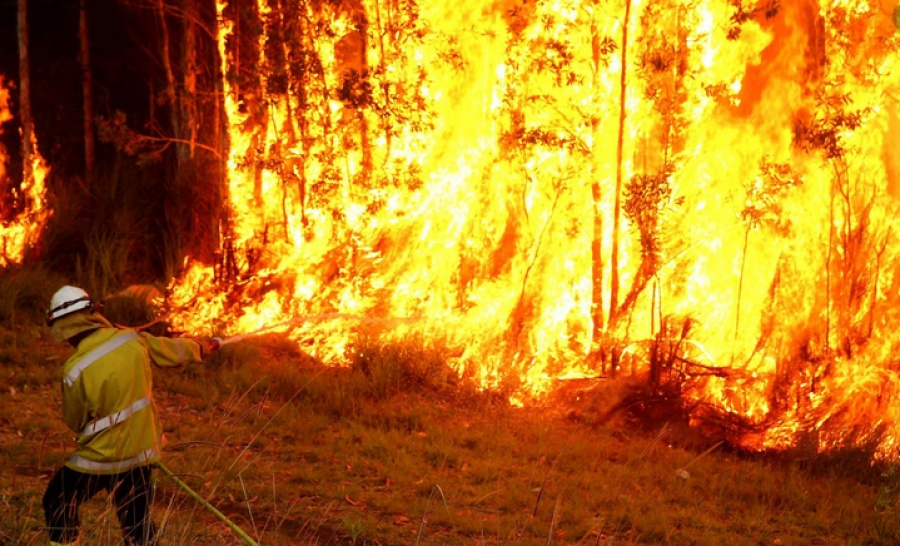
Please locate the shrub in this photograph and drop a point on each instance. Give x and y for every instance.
(136, 306)
(407, 364)
(25, 292)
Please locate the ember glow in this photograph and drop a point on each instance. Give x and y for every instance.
(554, 199)
(24, 212)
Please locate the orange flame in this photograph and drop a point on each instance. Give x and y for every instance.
(19, 229)
(437, 163)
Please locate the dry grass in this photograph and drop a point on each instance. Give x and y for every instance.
(393, 451)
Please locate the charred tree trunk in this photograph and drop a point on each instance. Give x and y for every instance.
(221, 229)
(244, 70)
(193, 94)
(187, 99)
(27, 123)
(87, 90)
(179, 242)
(249, 88)
(203, 123)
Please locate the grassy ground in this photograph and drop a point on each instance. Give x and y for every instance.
(395, 452)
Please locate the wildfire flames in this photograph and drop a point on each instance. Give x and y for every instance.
(459, 167)
(23, 211)
(702, 192)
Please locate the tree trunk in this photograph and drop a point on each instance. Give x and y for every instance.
(225, 267)
(248, 54)
(244, 51)
(187, 99)
(86, 91)
(25, 97)
(169, 92)
(620, 147)
(299, 83)
(597, 316)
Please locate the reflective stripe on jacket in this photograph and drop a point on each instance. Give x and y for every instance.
(107, 397)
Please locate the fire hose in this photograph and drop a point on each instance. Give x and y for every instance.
(203, 502)
(218, 342)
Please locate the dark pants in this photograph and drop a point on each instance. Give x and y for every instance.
(132, 492)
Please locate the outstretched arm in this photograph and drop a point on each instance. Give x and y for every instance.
(174, 352)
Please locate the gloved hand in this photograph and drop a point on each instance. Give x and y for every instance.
(209, 346)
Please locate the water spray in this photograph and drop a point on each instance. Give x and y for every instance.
(312, 318)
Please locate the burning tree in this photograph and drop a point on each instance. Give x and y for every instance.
(701, 193)
(465, 172)
(22, 210)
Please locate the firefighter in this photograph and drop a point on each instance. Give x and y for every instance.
(107, 401)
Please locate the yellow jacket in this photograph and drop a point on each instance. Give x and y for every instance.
(107, 395)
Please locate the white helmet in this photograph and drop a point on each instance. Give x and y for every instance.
(67, 300)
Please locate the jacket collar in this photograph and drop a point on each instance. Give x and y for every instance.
(76, 323)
